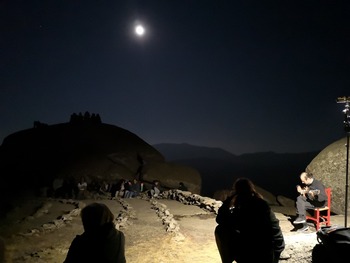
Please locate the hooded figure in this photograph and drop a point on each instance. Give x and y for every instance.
(101, 241)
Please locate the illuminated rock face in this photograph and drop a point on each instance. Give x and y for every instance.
(330, 167)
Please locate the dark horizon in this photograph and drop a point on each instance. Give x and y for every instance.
(242, 76)
(185, 144)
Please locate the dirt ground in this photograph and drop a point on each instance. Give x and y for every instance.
(146, 237)
(41, 230)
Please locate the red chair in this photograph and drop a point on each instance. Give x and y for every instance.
(322, 215)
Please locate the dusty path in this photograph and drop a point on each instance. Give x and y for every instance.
(195, 244)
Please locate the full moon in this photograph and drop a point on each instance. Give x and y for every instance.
(139, 30)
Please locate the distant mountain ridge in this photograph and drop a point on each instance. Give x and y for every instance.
(276, 172)
(173, 151)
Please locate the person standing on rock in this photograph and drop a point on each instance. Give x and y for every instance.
(312, 193)
(248, 230)
(182, 187)
(101, 241)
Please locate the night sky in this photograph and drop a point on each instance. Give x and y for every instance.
(245, 76)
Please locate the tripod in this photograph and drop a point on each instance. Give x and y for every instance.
(346, 111)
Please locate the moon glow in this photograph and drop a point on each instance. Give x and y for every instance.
(139, 30)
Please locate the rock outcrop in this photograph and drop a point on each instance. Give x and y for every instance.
(84, 147)
(330, 167)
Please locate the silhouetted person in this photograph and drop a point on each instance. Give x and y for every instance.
(74, 118)
(118, 189)
(104, 188)
(2, 251)
(133, 190)
(101, 241)
(248, 230)
(155, 189)
(71, 187)
(68, 188)
(140, 170)
(82, 186)
(80, 117)
(86, 116)
(57, 186)
(98, 118)
(182, 187)
(93, 118)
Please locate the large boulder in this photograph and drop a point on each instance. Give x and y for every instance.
(330, 167)
(171, 174)
(83, 147)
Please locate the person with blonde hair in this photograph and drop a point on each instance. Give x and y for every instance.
(101, 241)
(248, 230)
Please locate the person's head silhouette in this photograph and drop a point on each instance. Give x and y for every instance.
(96, 215)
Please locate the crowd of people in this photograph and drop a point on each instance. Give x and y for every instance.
(122, 188)
(247, 229)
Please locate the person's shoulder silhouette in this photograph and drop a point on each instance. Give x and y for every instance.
(101, 241)
(245, 220)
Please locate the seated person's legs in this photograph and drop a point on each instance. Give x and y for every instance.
(301, 211)
(126, 194)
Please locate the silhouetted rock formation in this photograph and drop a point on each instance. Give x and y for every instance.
(83, 147)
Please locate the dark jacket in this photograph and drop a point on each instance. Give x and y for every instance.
(258, 235)
(321, 198)
(105, 245)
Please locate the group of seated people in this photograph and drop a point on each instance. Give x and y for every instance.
(129, 189)
(132, 188)
(69, 188)
(126, 188)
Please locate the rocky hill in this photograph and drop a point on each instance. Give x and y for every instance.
(84, 146)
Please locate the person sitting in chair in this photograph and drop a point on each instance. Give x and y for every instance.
(312, 194)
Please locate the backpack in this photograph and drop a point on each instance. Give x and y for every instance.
(334, 236)
(333, 241)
